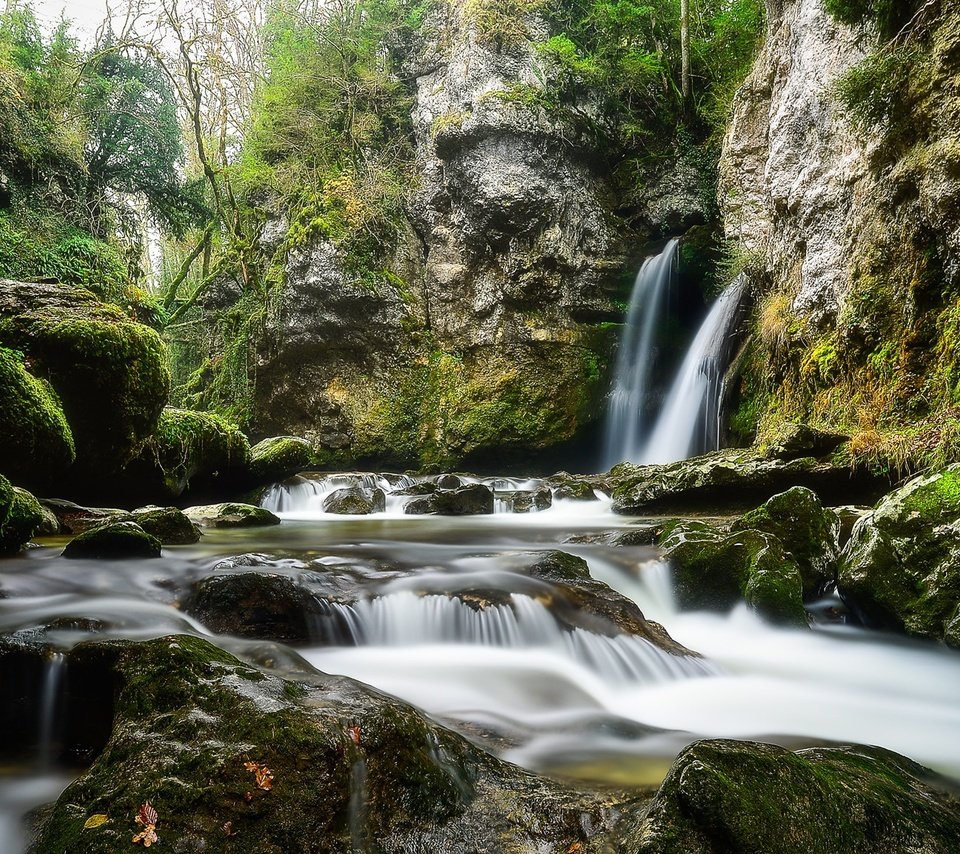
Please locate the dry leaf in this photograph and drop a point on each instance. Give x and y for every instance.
(147, 817)
(248, 796)
(263, 775)
(354, 732)
(574, 848)
(95, 821)
(228, 829)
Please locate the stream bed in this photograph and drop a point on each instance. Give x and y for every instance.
(507, 675)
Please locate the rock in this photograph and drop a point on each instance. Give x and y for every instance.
(355, 501)
(423, 506)
(901, 567)
(847, 517)
(230, 515)
(279, 457)
(805, 529)
(113, 540)
(253, 604)
(342, 767)
(714, 570)
(49, 525)
(109, 373)
(75, 519)
(741, 796)
(525, 501)
(449, 481)
(196, 451)
(471, 500)
(20, 517)
(36, 445)
(731, 480)
(423, 487)
(574, 490)
(168, 524)
(794, 441)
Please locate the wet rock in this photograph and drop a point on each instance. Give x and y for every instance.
(49, 526)
(109, 373)
(714, 570)
(113, 540)
(901, 568)
(525, 501)
(574, 490)
(168, 524)
(740, 796)
(731, 480)
(471, 500)
(350, 768)
(449, 481)
(20, 517)
(36, 444)
(424, 487)
(804, 528)
(847, 517)
(801, 440)
(75, 519)
(423, 506)
(279, 457)
(230, 515)
(355, 501)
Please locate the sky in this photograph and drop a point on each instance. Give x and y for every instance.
(86, 15)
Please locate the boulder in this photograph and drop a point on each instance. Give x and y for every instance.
(795, 440)
(355, 501)
(113, 540)
(279, 457)
(734, 796)
(714, 570)
(236, 760)
(805, 529)
(733, 480)
(901, 568)
(449, 481)
(230, 515)
(20, 517)
(168, 524)
(75, 519)
(36, 445)
(525, 501)
(574, 490)
(196, 451)
(471, 500)
(109, 372)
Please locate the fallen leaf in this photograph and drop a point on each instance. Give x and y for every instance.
(95, 821)
(263, 775)
(248, 796)
(147, 818)
(574, 847)
(354, 732)
(147, 815)
(228, 829)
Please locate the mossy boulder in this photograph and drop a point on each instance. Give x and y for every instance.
(113, 541)
(196, 451)
(525, 500)
(349, 768)
(714, 570)
(279, 457)
(735, 796)
(230, 515)
(36, 445)
(355, 501)
(20, 517)
(804, 528)
(794, 440)
(108, 371)
(901, 568)
(168, 524)
(733, 480)
(474, 499)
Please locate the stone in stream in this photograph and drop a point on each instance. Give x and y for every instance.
(230, 515)
(449, 481)
(20, 517)
(715, 569)
(168, 524)
(75, 519)
(524, 500)
(805, 529)
(355, 501)
(730, 796)
(113, 541)
(279, 457)
(471, 500)
(901, 567)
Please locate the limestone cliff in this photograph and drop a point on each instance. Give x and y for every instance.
(840, 180)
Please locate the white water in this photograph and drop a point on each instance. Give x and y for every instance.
(627, 417)
(689, 423)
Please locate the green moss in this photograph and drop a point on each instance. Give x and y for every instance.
(20, 517)
(279, 457)
(113, 540)
(36, 444)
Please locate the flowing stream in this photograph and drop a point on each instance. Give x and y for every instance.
(510, 675)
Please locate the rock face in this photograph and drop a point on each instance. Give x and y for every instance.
(109, 372)
(735, 796)
(901, 567)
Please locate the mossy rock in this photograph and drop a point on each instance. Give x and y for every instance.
(113, 541)
(168, 524)
(474, 499)
(714, 570)
(230, 515)
(74, 518)
(736, 796)
(279, 457)
(109, 372)
(805, 529)
(351, 768)
(355, 501)
(901, 568)
(198, 451)
(20, 517)
(36, 445)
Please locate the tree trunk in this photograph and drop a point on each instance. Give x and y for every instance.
(685, 53)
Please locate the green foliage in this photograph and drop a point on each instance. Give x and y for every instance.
(874, 92)
(503, 22)
(887, 16)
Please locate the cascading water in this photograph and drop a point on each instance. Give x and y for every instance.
(628, 416)
(689, 423)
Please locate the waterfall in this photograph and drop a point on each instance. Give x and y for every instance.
(689, 422)
(627, 419)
